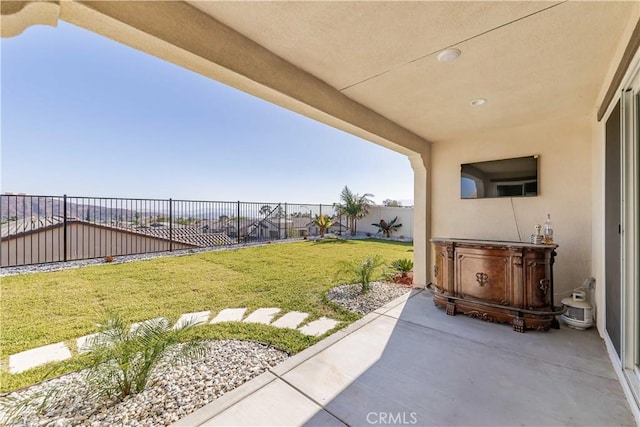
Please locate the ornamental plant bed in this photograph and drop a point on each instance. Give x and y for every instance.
(403, 279)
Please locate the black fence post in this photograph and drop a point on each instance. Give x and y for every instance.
(286, 225)
(170, 225)
(238, 223)
(64, 227)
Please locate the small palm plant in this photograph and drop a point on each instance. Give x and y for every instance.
(120, 361)
(362, 272)
(402, 266)
(323, 222)
(388, 227)
(122, 358)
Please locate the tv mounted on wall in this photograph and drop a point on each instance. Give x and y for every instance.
(517, 177)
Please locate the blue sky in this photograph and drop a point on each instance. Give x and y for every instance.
(84, 115)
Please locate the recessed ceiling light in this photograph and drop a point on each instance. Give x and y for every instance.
(448, 55)
(478, 101)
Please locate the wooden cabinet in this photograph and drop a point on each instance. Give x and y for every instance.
(507, 282)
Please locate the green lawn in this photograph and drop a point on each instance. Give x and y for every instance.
(44, 308)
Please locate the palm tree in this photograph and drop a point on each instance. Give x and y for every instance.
(323, 222)
(265, 210)
(353, 206)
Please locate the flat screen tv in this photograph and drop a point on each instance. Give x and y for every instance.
(517, 177)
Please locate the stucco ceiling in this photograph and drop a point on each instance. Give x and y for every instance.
(531, 60)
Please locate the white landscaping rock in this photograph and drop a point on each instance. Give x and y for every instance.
(197, 318)
(319, 327)
(380, 293)
(20, 362)
(175, 390)
(229, 315)
(290, 320)
(262, 315)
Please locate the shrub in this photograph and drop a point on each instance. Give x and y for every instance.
(387, 227)
(403, 265)
(122, 357)
(363, 272)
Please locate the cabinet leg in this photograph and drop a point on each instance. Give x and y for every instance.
(554, 323)
(451, 309)
(518, 324)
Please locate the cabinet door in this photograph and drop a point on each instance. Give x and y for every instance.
(443, 267)
(537, 278)
(483, 274)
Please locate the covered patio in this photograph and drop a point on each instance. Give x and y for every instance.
(446, 84)
(409, 363)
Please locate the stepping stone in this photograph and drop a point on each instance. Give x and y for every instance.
(197, 318)
(20, 362)
(319, 327)
(262, 315)
(83, 343)
(290, 320)
(229, 315)
(136, 325)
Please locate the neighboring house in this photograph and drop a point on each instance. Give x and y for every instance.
(28, 224)
(43, 241)
(229, 226)
(260, 229)
(296, 227)
(195, 235)
(337, 228)
(292, 226)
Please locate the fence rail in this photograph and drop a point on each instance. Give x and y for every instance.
(46, 229)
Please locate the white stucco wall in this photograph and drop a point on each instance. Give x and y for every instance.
(565, 150)
(376, 213)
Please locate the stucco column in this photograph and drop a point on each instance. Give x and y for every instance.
(421, 227)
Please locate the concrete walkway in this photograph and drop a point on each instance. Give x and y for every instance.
(39, 356)
(409, 363)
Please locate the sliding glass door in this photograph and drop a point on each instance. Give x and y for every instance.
(630, 204)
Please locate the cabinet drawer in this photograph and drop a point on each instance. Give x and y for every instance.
(483, 276)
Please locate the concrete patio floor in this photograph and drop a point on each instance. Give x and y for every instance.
(409, 363)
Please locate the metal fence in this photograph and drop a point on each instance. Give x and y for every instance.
(45, 229)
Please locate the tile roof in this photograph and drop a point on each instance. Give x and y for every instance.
(29, 224)
(189, 235)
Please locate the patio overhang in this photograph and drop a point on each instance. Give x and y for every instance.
(371, 65)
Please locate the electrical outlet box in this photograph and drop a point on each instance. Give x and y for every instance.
(589, 283)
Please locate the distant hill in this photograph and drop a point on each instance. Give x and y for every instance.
(17, 206)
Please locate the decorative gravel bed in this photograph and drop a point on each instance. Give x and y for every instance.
(176, 392)
(380, 293)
